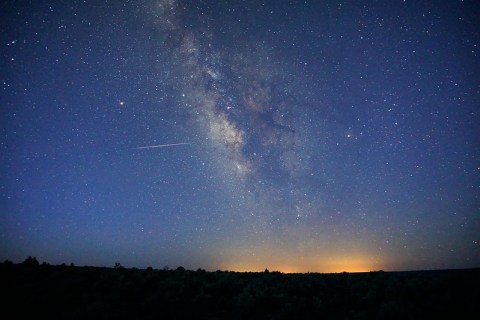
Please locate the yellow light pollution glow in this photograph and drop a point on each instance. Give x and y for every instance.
(276, 259)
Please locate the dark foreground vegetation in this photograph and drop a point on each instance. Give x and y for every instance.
(70, 292)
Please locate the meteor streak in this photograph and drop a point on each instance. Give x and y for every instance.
(163, 145)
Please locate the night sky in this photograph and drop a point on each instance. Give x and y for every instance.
(297, 136)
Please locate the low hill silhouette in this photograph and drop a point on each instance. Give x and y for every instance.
(71, 292)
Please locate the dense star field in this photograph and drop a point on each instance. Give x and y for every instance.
(298, 136)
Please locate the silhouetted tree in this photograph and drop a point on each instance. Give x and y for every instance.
(31, 262)
(110, 293)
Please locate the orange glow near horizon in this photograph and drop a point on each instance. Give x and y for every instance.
(298, 250)
(350, 264)
(288, 262)
(338, 266)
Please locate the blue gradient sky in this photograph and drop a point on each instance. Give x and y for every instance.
(319, 135)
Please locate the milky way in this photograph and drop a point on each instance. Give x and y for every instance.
(242, 113)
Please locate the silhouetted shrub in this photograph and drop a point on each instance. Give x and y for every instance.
(122, 293)
(30, 262)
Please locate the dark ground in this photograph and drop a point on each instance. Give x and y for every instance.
(70, 292)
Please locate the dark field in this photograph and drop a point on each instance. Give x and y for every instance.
(70, 292)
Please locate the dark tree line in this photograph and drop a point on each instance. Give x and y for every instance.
(71, 292)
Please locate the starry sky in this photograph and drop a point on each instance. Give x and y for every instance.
(299, 136)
